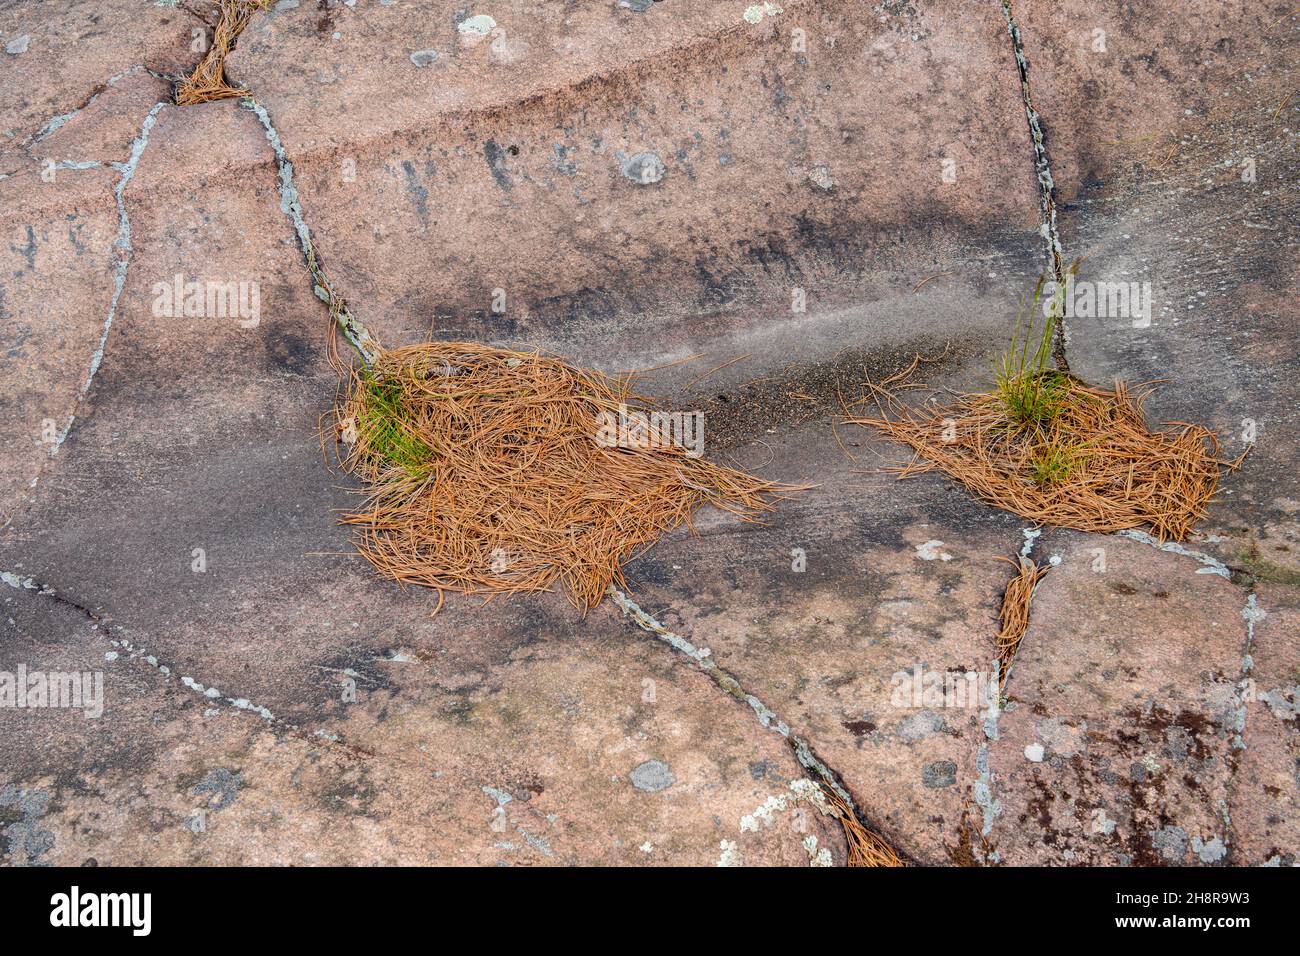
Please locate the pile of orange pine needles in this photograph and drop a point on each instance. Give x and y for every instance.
(483, 473)
(208, 81)
(1109, 471)
(1015, 612)
(865, 848)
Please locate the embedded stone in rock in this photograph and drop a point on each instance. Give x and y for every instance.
(820, 176)
(652, 776)
(424, 57)
(643, 168)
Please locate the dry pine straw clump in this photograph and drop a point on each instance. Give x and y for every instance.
(1015, 612)
(483, 473)
(1092, 464)
(865, 848)
(208, 81)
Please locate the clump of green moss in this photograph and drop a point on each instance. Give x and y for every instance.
(1265, 570)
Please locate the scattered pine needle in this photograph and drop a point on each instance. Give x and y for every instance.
(1015, 612)
(699, 378)
(938, 275)
(484, 475)
(1093, 465)
(865, 848)
(1281, 106)
(208, 81)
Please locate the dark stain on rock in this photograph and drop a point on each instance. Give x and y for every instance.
(351, 792)
(496, 162)
(940, 774)
(417, 192)
(287, 351)
(29, 250)
(802, 392)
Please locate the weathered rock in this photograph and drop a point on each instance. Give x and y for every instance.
(68, 246)
(1265, 800)
(77, 49)
(642, 185)
(1128, 681)
(520, 162)
(1120, 86)
(1172, 154)
(409, 761)
(869, 645)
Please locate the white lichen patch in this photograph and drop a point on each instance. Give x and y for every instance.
(758, 11)
(805, 791)
(801, 791)
(765, 814)
(475, 28)
(14, 581)
(820, 176)
(817, 856)
(730, 856)
(929, 551)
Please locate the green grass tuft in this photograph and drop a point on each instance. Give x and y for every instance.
(1054, 462)
(384, 425)
(1034, 399)
(1031, 392)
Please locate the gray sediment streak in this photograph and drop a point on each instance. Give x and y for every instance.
(1046, 184)
(348, 324)
(122, 251)
(703, 659)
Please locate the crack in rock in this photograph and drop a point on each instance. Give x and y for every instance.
(122, 250)
(349, 324)
(702, 658)
(1252, 613)
(1209, 563)
(55, 123)
(125, 649)
(1046, 184)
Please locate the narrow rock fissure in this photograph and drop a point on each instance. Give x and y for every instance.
(126, 648)
(1046, 184)
(701, 657)
(122, 251)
